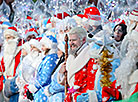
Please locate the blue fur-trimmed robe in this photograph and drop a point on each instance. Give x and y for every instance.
(43, 77)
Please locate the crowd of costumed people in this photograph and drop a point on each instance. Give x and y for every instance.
(68, 51)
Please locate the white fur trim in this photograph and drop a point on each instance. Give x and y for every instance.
(133, 17)
(46, 91)
(10, 65)
(49, 26)
(32, 88)
(131, 90)
(97, 78)
(48, 43)
(49, 33)
(60, 78)
(61, 46)
(4, 26)
(35, 43)
(94, 22)
(92, 96)
(134, 35)
(54, 19)
(10, 32)
(30, 33)
(77, 19)
(17, 81)
(73, 64)
(133, 78)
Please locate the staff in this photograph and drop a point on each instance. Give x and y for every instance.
(66, 56)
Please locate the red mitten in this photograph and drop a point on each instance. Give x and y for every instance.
(25, 90)
(68, 97)
(109, 91)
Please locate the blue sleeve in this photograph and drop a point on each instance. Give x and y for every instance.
(115, 65)
(13, 86)
(54, 86)
(99, 97)
(44, 76)
(10, 87)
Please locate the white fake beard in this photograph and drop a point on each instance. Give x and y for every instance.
(34, 54)
(73, 52)
(9, 51)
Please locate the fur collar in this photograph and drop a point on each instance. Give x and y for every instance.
(74, 64)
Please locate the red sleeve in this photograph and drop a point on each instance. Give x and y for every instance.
(2, 67)
(17, 61)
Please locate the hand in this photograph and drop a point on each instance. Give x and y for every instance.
(111, 92)
(29, 95)
(63, 68)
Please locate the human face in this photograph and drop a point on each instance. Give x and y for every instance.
(24, 53)
(33, 48)
(43, 47)
(59, 53)
(74, 41)
(30, 37)
(53, 24)
(9, 37)
(118, 33)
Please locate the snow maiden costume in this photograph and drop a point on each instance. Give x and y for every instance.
(43, 77)
(127, 73)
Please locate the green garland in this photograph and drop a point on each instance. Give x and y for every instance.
(133, 98)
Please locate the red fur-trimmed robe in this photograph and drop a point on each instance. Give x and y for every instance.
(81, 73)
(14, 63)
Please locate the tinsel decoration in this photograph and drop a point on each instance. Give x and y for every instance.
(105, 68)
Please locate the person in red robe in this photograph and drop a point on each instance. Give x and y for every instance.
(11, 56)
(81, 67)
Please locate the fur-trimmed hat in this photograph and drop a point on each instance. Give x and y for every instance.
(35, 43)
(49, 42)
(61, 15)
(11, 31)
(31, 32)
(61, 46)
(78, 18)
(93, 16)
(134, 15)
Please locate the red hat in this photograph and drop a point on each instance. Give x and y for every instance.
(93, 14)
(11, 31)
(91, 11)
(119, 21)
(134, 15)
(123, 22)
(31, 31)
(61, 15)
(80, 15)
(39, 38)
(48, 25)
(48, 21)
(29, 18)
